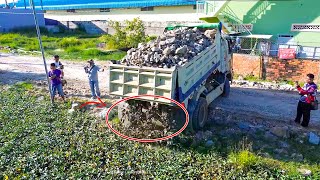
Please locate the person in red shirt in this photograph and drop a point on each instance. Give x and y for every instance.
(308, 94)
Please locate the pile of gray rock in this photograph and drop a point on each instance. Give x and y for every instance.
(173, 48)
(264, 85)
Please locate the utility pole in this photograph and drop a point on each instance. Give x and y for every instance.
(41, 47)
(6, 2)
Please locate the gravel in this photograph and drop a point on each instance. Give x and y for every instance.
(173, 48)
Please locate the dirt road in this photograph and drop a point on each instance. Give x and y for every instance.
(23, 68)
(276, 105)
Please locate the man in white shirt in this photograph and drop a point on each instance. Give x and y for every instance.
(60, 67)
(58, 64)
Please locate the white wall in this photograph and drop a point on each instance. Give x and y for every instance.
(161, 14)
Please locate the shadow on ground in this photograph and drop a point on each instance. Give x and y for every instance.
(11, 77)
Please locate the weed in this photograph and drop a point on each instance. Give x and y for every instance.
(73, 49)
(69, 42)
(252, 78)
(41, 141)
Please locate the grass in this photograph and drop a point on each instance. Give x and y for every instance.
(67, 46)
(40, 140)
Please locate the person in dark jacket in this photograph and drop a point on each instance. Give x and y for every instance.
(308, 94)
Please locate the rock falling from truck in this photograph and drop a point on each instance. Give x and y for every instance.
(146, 121)
(173, 48)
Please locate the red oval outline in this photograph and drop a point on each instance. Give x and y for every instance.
(148, 140)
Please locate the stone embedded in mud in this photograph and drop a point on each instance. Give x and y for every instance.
(70, 111)
(207, 135)
(112, 113)
(209, 143)
(270, 136)
(297, 157)
(284, 144)
(281, 151)
(75, 105)
(282, 132)
(244, 126)
(41, 98)
(305, 172)
(158, 123)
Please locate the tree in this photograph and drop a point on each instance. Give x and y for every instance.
(128, 36)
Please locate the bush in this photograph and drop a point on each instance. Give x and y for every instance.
(73, 49)
(92, 52)
(86, 44)
(150, 38)
(8, 38)
(68, 42)
(48, 39)
(116, 55)
(128, 36)
(243, 158)
(32, 47)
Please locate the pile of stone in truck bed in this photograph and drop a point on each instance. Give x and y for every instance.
(173, 48)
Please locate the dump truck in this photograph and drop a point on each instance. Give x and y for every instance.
(195, 84)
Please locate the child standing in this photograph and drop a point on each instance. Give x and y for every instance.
(56, 85)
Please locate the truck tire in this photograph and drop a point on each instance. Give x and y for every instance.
(226, 88)
(200, 114)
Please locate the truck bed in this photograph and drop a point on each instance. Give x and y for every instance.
(178, 83)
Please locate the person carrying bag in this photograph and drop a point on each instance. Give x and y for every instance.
(307, 101)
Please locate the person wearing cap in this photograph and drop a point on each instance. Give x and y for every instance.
(92, 71)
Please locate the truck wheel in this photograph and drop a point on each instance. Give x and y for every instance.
(226, 88)
(200, 114)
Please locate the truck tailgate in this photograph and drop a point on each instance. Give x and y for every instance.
(128, 81)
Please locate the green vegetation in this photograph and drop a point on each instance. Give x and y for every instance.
(77, 45)
(253, 78)
(71, 47)
(38, 139)
(128, 36)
